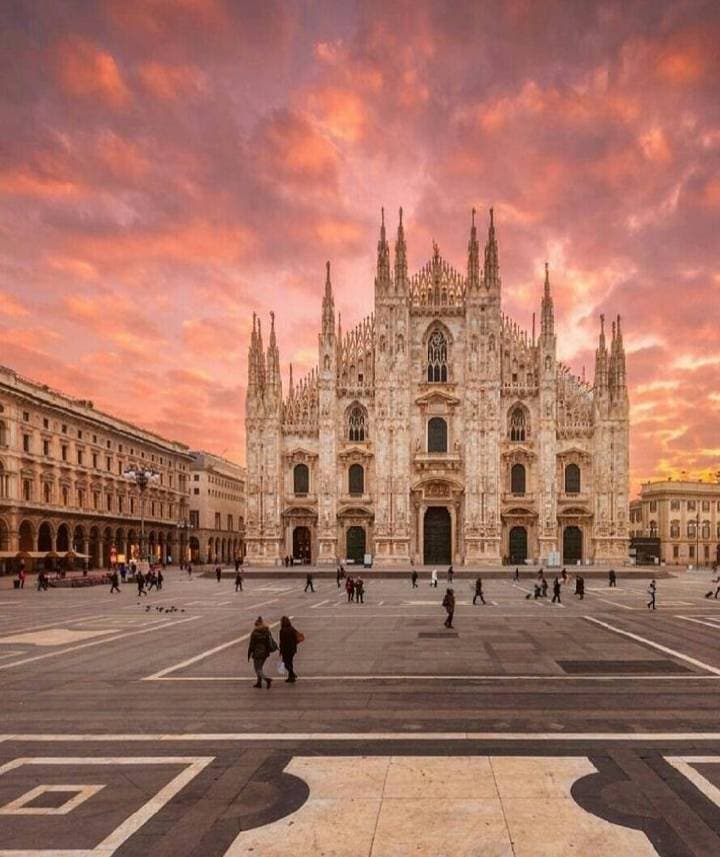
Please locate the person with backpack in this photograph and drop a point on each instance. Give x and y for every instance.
(290, 637)
(449, 605)
(260, 647)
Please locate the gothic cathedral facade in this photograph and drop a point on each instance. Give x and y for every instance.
(437, 431)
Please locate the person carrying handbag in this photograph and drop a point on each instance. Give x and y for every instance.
(290, 638)
(260, 647)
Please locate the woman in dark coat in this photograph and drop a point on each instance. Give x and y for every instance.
(260, 647)
(289, 639)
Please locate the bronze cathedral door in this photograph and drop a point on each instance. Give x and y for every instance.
(437, 536)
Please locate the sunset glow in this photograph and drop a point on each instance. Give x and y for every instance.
(167, 168)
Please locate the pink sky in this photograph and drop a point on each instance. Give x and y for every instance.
(169, 166)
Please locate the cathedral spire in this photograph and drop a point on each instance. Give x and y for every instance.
(400, 256)
(620, 377)
(328, 306)
(382, 277)
(601, 360)
(273, 357)
(547, 313)
(291, 384)
(491, 268)
(473, 273)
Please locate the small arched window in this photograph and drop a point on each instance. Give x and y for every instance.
(517, 479)
(572, 479)
(301, 479)
(356, 479)
(437, 371)
(675, 529)
(518, 427)
(356, 424)
(437, 435)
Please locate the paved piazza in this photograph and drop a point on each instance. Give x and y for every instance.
(532, 729)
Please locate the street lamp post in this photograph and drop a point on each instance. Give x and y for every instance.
(142, 477)
(184, 527)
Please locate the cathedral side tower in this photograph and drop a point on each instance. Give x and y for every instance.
(327, 487)
(392, 442)
(263, 441)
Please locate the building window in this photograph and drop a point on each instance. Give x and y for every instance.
(692, 529)
(65, 496)
(95, 460)
(152, 505)
(63, 428)
(572, 479)
(653, 529)
(196, 491)
(437, 371)
(63, 452)
(676, 551)
(108, 463)
(218, 521)
(692, 551)
(121, 503)
(81, 497)
(356, 479)
(517, 479)
(230, 523)
(196, 477)
(108, 502)
(518, 427)
(47, 492)
(437, 437)
(26, 417)
(79, 456)
(26, 443)
(706, 529)
(301, 479)
(132, 505)
(27, 490)
(3, 433)
(675, 529)
(675, 505)
(195, 518)
(79, 434)
(46, 423)
(706, 505)
(653, 505)
(96, 500)
(3, 482)
(46, 447)
(356, 424)
(691, 505)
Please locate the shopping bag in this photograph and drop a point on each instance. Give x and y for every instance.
(281, 668)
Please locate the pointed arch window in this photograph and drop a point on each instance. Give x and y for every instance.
(518, 425)
(357, 424)
(437, 369)
(356, 479)
(517, 479)
(301, 479)
(572, 479)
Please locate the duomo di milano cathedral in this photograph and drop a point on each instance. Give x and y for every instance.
(437, 431)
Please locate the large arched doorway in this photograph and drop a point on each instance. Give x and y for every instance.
(45, 538)
(572, 545)
(518, 545)
(301, 544)
(355, 544)
(63, 539)
(94, 547)
(194, 550)
(4, 535)
(437, 536)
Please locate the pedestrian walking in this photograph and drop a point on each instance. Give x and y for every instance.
(189, 570)
(123, 571)
(338, 576)
(450, 574)
(114, 581)
(652, 589)
(21, 577)
(580, 587)
(140, 580)
(564, 576)
(218, 573)
(290, 638)
(159, 580)
(556, 591)
(516, 576)
(612, 577)
(543, 585)
(478, 592)
(237, 564)
(238, 581)
(260, 647)
(350, 589)
(359, 590)
(434, 579)
(414, 579)
(449, 605)
(309, 582)
(42, 581)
